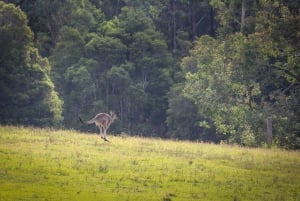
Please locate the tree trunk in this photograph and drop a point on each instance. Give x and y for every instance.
(212, 22)
(269, 131)
(174, 24)
(242, 29)
(193, 21)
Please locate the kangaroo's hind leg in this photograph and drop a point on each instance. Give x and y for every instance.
(100, 131)
(104, 137)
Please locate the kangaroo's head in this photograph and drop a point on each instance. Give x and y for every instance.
(113, 116)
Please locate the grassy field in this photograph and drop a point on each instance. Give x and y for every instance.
(45, 164)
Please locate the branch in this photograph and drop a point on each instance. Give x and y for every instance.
(286, 71)
(199, 21)
(291, 86)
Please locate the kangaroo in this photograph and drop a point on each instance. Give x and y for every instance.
(102, 121)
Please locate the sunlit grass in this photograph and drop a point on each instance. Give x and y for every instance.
(45, 164)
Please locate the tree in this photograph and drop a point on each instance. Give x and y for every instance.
(184, 121)
(192, 17)
(143, 101)
(229, 86)
(68, 51)
(235, 16)
(108, 51)
(239, 80)
(27, 92)
(276, 31)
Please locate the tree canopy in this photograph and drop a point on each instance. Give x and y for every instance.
(27, 92)
(190, 69)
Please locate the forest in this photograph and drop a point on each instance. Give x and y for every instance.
(200, 70)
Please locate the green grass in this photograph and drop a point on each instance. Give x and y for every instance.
(45, 164)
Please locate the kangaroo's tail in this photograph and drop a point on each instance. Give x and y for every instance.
(86, 122)
(81, 120)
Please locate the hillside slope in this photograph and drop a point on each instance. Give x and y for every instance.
(45, 164)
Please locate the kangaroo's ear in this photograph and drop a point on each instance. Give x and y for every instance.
(112, 113)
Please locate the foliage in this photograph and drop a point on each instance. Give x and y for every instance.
(239, 80)
(27, 92)
(123, 55)
(183, 121)
(210, 70)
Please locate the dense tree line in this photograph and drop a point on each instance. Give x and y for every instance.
(188, 69)
(27, 94)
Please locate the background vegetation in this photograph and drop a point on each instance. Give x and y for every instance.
(44, 164)
(207, 70)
